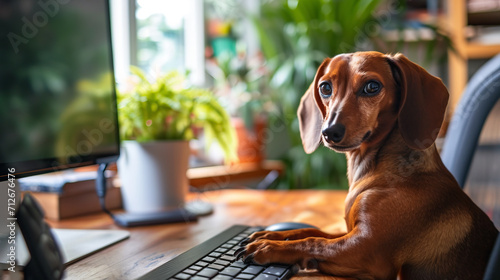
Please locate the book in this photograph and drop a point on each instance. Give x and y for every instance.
(67, 182)
(69, 194)
(59, 206)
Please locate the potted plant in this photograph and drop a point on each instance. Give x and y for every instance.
(157, 119)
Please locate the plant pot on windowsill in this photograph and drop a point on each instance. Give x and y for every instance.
(157, 120)
(251, 142)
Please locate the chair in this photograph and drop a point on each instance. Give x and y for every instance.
(481, 94)
(462, 138)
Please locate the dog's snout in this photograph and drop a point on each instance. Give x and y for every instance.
(334, 133)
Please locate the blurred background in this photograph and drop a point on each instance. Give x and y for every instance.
(260, 56)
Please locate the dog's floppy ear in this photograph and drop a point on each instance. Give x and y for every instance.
(423, 102)
(310, 114)
(310, 121)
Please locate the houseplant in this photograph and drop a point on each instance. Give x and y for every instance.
(157, 119)
(241, 85)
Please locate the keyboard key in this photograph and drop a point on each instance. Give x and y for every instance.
(222, 277)
(222, 262)
(239, 264)
(195, 267)
(245, 276)
(189, 271)
(221, 250)
(208, 272)
(227, 258)
(198, 278)
(202, 263)
(253, 269)
(275, 270)
(231, 271)
(266, 277)
(182, 276)
(251, 230)
(208, 259)
(216, 266)
(214, 255)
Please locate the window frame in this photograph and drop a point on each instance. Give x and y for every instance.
(124, 36)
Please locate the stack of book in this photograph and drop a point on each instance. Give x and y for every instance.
(69, 194)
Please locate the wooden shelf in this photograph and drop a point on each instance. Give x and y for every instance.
(477, 50)
(220, 176)
(458, 59)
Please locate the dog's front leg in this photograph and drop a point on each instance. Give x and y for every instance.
(291, 235)
(351, 255)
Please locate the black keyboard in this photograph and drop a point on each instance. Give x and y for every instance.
(213, 259)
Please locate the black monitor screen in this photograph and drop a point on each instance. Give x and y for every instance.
(57, 95)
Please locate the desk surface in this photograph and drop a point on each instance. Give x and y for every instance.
(150, 246)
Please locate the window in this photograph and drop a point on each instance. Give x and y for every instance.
(159, 36)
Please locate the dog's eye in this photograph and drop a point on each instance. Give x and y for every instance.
(325, 89)
(372, 88)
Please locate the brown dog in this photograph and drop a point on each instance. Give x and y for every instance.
(406, 215)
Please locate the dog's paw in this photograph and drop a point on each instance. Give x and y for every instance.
(263, 252)
(261, 235)
(282, 235)
(274, 251)
(268, 235)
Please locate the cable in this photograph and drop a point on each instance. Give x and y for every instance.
(101, 188)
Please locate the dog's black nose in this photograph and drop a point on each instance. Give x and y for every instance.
(334, 133)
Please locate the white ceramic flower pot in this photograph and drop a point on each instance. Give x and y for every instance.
(153, 175)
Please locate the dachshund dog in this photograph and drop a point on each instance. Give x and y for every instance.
(406, 215)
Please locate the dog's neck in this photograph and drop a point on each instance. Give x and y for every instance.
(391, 156)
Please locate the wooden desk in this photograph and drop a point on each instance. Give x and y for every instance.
(151, 246)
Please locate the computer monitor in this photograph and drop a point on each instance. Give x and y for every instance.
(57, 95)
(57, 88)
